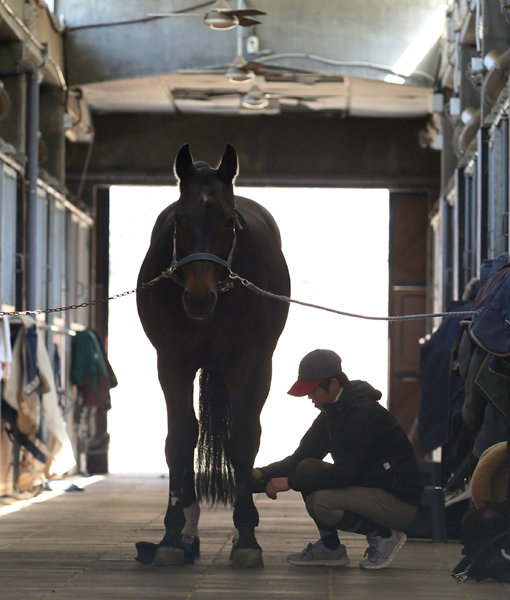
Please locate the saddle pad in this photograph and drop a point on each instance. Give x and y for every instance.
(490, 327)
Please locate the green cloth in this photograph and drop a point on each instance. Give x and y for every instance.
(87, 361)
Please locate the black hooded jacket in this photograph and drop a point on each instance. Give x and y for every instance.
(368, 447)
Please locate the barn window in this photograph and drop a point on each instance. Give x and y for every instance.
(7, 237)
(41, 257)
(78, 267)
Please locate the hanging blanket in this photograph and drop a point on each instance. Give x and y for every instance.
(490, 327)
(30, 392)
(438, 385)
(90, 369)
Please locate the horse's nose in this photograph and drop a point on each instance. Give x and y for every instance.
(199, 307)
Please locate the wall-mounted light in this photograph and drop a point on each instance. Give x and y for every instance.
(498, 66)
(469, 114)
(466, 131)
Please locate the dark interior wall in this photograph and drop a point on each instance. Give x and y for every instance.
(275, 150)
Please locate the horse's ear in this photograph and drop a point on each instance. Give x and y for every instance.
(183, 163)
(229, 165)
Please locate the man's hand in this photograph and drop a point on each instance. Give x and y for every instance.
(256, 474)
(275, 485)
(257, 484)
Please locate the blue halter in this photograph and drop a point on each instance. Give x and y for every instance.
(222, 286)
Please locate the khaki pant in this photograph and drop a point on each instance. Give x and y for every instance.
(327, 507)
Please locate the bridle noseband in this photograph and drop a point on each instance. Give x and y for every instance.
(222, 286)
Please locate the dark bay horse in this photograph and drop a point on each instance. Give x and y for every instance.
(199, 321)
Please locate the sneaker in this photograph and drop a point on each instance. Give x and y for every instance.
(381, 551)
(318, 555)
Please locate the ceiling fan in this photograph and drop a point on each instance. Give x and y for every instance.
(254, 98)
(220, 16)
(277, 73)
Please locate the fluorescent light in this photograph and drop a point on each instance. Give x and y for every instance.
(394, 79)
(421, 43)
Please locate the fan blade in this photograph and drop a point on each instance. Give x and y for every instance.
(246, 22)
(262, 69)
(253, 66)
(201, 96)
(244, 12)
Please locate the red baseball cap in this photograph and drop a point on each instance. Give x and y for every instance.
(303, 388)
(315, 366)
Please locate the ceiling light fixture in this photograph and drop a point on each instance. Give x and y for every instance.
(255, 98)
(217, 19)
(220, 17)
(236, 73)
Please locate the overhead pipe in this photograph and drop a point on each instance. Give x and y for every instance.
(31, 174)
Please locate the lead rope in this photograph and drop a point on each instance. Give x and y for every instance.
(252, 287)
(168, 273)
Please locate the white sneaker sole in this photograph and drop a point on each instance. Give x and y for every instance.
(389, 560)
(299, 562)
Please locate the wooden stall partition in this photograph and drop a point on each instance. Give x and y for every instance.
(407, 295)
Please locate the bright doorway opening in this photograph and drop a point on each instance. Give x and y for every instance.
(336, 245)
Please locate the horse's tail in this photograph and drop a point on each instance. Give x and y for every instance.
(215, 476)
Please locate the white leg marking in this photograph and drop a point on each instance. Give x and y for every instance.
(192, 514)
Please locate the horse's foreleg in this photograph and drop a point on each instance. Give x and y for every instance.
(245, 436)
(246, 405)
(180, 543)
(183, 512)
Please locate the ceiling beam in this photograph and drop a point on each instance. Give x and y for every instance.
(280, 150)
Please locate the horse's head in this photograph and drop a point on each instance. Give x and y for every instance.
(205, 228)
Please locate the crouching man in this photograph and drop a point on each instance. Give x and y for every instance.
(373, 486)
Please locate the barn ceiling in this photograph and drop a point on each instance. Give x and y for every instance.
(377, 58)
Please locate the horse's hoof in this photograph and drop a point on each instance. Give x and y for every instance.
(168, 556)
(191, 545)
(247, 558)
(146, 552)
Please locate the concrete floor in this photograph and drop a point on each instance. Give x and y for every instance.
(80, 546)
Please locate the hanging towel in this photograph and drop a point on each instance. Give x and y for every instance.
(5, 348)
